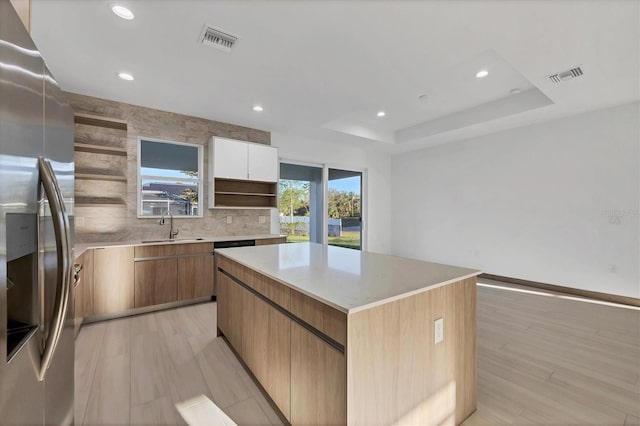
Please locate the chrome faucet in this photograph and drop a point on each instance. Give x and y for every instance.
(172, 233)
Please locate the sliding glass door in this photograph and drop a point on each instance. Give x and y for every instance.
(301, 202)
(345, 208)
(303, 205)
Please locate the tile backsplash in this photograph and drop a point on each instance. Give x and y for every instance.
(117, 221)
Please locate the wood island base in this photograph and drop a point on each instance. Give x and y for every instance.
(377, 365)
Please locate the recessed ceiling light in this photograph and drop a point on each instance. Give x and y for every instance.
(482, 74)
(514, 91)
(125, 76)
(123, 12)
(381, 114)
(258, 108)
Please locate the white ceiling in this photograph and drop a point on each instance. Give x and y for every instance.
(322, 69)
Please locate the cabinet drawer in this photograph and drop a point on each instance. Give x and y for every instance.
(271, 289)
(194, 248)
(195, 277)
(156, 282)
(318, 381)
(155, 251)
(269, 241)
(112, 280)
(173, 249)
(326, 319)
(266, 348)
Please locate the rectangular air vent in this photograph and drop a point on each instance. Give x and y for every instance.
(219, 39)
(566, 75)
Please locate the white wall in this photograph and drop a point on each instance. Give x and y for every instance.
(530, 203)
(377, 167)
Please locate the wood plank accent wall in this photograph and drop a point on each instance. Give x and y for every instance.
(113, 221)
(396, 341)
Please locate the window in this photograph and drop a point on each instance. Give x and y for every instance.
(169, 178)
(304, 205)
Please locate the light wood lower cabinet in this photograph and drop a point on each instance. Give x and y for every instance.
(267, 241)
(86, 301)
(113, 280)
(230, 311)
(195, 277)
(381, 362)
(266, 348)
(318, 380)
(173, 272)
(156, 282)
(303, 374)
(83, 299)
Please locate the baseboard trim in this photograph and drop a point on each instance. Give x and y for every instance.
(607, 297)
(145, 310)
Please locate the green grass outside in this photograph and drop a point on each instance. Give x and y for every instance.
(350, 239)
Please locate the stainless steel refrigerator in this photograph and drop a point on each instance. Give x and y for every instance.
(36, 235)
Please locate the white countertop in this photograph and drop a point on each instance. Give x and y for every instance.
(348, 280)
(78, 249)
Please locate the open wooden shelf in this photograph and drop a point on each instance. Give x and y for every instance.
(244, 193)
(95, 120)
(98, 174)
(99, 202)
(244, 200)
(100, 149)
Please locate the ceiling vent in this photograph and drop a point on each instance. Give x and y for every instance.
(566, 75)
(219, 39)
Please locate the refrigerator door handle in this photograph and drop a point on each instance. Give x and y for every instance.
(63, 282)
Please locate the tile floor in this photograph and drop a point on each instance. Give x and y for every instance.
(542, 359)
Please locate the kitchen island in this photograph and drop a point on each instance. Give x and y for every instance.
(339, 336)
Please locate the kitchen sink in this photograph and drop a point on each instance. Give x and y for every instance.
(175, 240)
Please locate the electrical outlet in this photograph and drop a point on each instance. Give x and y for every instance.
(438, 331)
(229, 220)
(79, 221)
(262, 219)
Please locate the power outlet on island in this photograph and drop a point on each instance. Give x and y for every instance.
(438, 330)
(262, 219)
(229, 220)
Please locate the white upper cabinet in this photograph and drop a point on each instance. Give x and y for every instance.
(230, 159)
(242, 175)
(244, 160)
(263, 163)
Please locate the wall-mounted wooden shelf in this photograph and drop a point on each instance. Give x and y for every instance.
(100, 149)
(99, 202)
(243, 193)
(98, 174)
(94, 120)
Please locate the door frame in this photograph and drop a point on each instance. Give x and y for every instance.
(363, 199)
(325, 197)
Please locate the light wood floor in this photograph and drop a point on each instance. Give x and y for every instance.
(542, 359)
(134, 370)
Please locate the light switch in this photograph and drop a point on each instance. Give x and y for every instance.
(79, 221)
(438, 330)
(229, 219)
